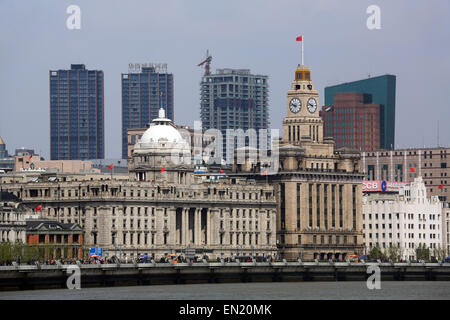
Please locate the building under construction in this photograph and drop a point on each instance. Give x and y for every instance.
(233, 99)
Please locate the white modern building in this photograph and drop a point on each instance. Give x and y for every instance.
(446, 226)
(402, 217)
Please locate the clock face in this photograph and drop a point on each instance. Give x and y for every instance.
(312, 105)
(295, 105)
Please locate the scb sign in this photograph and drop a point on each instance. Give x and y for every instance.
(372, 185)
(383, 186)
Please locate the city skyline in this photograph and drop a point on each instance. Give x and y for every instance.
(338, 48)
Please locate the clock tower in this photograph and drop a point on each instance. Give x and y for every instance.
(318, 189)
(303, 123)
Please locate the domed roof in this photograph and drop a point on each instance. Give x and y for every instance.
(161, 130)
(160, 133)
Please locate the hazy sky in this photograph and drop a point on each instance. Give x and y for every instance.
(413, 44)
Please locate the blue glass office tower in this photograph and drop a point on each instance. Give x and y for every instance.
(143, 93)
(76, 114)
(382, 90)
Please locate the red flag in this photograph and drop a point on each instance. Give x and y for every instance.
(264, 173)
(38, 208)
(441, 186)
(31, 157)
(110, 167)
(299, 38)
(221, 171)
(412, 169)
(163, 169)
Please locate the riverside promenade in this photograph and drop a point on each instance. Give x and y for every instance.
(26, 277)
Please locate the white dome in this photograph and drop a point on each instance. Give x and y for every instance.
(161, 133)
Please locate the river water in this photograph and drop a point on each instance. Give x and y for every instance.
(423, 290)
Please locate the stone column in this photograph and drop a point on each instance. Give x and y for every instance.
(186, 227)
(198, 230)
(171, 226)
(104, 223)
(209, 214)
(183, 227)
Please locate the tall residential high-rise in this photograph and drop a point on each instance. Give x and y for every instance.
(77, 114)
(143, 93)
(382, 91)
(353, 121)
(234, 99)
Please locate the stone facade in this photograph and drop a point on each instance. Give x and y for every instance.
(219, 218)
(12, 222)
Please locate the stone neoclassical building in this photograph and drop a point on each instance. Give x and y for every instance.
(318, 189)
(161, 207)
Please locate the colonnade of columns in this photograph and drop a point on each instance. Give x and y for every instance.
(195, 227)
(12, 235)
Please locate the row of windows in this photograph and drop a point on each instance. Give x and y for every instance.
(406, 235)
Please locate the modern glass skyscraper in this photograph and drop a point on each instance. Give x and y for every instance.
(382, 91)
(76, 114)
(143, 94)
(234, 99)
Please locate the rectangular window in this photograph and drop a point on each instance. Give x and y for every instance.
(298, 206)
(325, 205)
(340, 207)
(354, 206)
(333, 206)
(282, 207)
(310, 204)
(318, 205)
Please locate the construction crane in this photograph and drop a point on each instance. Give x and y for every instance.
(207, 63)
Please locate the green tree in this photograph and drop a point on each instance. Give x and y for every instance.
(439, 253)
(6, 251)
(422, 252)
(375, 253)
(395, 252)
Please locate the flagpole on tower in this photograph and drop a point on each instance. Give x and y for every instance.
(303, 40)
(300, 38)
